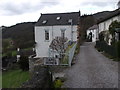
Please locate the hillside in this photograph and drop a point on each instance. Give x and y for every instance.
(22, 34)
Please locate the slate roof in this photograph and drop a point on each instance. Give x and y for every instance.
(113, 14)
(51, 19)
(93, 27)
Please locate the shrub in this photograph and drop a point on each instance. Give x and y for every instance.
(101, 36)
(58, 83)
(24, 63)
(14, 53)
(118, 48)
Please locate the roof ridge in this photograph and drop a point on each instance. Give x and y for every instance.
(59, 13)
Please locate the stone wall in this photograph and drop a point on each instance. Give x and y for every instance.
(34, 62)
(39, 79)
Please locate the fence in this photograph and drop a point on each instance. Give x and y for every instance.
(66, 60)
(50, 61)
(71, 54)
(103, 46)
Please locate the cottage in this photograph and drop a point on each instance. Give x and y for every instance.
(92, 33)
(103, 24)
(50, 26)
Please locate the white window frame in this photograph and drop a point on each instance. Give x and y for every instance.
(46, 30)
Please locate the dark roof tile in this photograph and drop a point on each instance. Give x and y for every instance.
(51, 19)
(113, 14)
(93, 27)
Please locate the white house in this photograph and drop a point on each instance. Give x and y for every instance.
(103, 24)
(50, 26)
(92, 33)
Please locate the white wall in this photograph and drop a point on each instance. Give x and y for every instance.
(42, 46)
(103, 26)
(94, 34)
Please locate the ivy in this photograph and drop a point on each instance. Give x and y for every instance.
(112, 27)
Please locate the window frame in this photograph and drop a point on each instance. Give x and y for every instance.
(46, 32)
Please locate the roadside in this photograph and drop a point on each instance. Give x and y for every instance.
(92, 70)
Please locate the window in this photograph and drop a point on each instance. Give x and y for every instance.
(44, 21)
(62, 33)
(46, 35)
(93, 35)
(58, 18)
(70, 20)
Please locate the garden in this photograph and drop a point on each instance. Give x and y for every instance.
(112, 49)
(14, 78)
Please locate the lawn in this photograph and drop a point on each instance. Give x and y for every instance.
(14, 78)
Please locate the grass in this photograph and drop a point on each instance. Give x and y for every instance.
(14, 78)
(65, 59)
(77, 50)
(30, 48)
(116, 59)
(0, 80)
(14, 53)
(111, 57)
(108, 56)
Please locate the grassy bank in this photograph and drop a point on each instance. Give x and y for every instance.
(14, 78)
(0, 80)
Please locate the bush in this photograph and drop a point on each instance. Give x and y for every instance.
(111, 51)
(101, 36)
(14, 53)
(24, 63)
(77, 49)
(118, 48)
(58, 83)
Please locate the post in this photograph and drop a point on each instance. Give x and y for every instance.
(71, 31)
(70, 21)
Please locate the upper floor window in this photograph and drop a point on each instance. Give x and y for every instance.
(46, 34)
(58, 18)
(45, 21)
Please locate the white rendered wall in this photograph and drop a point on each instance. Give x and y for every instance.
(42, 46)
(103, 26)
(94, 34)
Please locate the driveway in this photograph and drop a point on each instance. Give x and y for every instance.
(92, 70)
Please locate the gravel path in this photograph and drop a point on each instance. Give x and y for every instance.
(92, 70)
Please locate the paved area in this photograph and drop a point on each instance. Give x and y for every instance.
(92, 70)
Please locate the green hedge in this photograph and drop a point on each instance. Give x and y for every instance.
(112, 50)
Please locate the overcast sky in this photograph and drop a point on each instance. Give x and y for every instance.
(17, 11)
